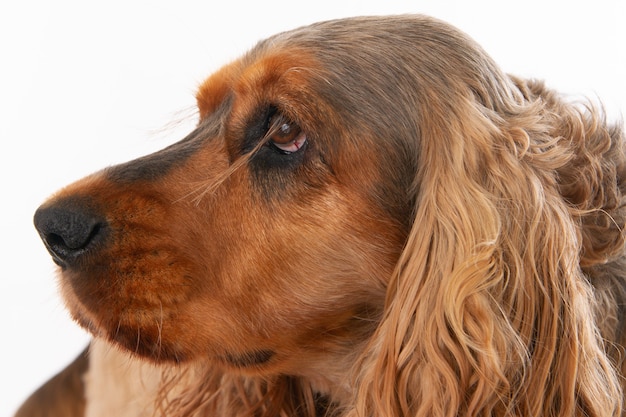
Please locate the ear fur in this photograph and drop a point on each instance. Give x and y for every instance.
(489, 312)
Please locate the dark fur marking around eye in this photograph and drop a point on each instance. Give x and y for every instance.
(270, 128)
(273, 171)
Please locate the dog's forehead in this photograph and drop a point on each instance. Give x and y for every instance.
(358, 62)
(270, 59)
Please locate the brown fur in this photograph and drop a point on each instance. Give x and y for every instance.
(62, 396)
(448, 241)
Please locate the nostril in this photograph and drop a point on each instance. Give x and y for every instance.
(77, 239)
(68, 230)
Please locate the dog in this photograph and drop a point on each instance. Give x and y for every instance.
(370, 219)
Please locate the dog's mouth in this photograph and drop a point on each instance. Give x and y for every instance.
(249, 359)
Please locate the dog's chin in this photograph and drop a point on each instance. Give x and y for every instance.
(139, 342)
(147, 344)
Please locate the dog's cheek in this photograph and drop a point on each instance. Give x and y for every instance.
(303, 271)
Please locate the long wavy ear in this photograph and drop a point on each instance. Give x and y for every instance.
(489, 312)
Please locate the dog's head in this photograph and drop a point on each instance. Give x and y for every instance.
(370, 195)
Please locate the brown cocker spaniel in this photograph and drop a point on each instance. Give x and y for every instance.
(370, 219)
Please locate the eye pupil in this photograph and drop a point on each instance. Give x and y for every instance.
(285, 129)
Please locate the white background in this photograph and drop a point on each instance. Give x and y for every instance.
(89, 84)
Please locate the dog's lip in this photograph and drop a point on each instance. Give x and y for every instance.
(249, 359)
(57, 260)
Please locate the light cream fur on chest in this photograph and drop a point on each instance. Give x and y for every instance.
(119, 385)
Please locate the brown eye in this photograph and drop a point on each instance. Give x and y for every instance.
(285, 135)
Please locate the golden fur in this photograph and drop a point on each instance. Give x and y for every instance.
(371, 219)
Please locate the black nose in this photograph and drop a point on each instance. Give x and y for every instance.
(69, 229)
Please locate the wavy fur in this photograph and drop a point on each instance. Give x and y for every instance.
(489, 312)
